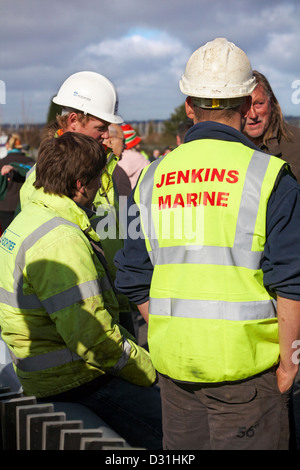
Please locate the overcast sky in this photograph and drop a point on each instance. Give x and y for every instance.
(141, 45)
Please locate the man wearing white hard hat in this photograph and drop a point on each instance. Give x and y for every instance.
(89, 104)
(217, 271)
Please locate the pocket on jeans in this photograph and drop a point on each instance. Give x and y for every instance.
(284, 394)
(232, 394)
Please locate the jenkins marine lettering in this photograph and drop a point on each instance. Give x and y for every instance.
(198, 176)
(212, 198)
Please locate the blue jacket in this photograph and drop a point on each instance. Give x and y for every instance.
(281, 261)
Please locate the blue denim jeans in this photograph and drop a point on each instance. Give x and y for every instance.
(132, 411)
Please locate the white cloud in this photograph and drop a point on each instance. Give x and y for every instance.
(161, 50)
(282, 49)
(136, 46)
(143, 65)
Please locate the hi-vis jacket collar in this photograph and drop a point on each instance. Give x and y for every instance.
(66, 208)
(217, 131)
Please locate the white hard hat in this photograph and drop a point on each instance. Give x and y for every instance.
(218, 70)
(91, 93)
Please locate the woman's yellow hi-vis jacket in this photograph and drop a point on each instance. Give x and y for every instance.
(58, 310)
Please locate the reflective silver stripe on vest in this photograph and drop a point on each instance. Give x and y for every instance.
(19, 301)
(213, 309)
(64, 356)
(146, 196)
(45, 361)
(75, 294)
(30, 171)
(250, 200)
(206, 255)
(123, 359)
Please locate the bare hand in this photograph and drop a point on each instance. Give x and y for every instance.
(285, 379)
(6, 169)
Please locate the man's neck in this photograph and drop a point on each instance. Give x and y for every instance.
(234, 121)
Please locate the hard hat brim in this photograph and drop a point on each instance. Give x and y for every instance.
(111, 118)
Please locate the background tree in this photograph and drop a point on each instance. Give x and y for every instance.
(53, 110)
(171, 125)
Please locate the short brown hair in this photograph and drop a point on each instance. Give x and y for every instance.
(64, 160)
(202, 114)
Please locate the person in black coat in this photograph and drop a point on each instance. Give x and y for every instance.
(13, 169)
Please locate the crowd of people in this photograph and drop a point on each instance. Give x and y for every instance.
(200, 241)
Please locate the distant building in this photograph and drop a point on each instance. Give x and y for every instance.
(293, 121)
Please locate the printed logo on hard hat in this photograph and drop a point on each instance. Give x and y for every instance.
(116, 105)
(81, 96)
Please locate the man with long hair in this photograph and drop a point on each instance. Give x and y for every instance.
(265, 126)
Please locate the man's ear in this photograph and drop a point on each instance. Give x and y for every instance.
(80, 188)
(72, 121)
(189, 108)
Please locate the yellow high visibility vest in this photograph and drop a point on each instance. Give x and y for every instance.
(203, 215)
